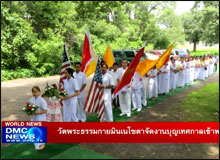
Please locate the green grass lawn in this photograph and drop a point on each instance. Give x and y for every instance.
(201, 105)
(201, 52)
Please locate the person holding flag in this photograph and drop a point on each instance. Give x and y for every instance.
(108, 84)
(125, 95)
(153, 91)
(124, 79)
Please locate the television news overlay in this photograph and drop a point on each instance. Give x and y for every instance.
(116, 132)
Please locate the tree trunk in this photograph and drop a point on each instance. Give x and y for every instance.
(194, 46)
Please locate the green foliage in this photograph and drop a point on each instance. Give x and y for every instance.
(18, 73)
(33, 33)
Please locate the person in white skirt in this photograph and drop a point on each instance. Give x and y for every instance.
(202, 69)
(206, 64)
(181, 75)
(165, 77)
(173, 74)
(192, 69)
(197, 68)
(187, 78)
(153, 91)
(159, 73)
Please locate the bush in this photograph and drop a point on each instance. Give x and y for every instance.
(18, 73)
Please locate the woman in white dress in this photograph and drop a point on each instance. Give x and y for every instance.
(202, 69)
(70, 101)
(181, 75)
(206, 64)
(197, 68)
(173, 74)
(187, 77)
(152, 74)
(165, 77)
(192, 68)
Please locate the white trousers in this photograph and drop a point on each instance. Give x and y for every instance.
(125, 102)
(144, 96)
(69, 112)
(80, 111)
(136, 98)
(108, 116)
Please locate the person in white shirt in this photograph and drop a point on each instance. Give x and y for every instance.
(113, 72)
(181, 75)
(40, 114)
(216, 62)
(159, 74)
(70, 101)
(108, 84)
(125, 95)
(187, 77)
(202, 69)
(173, 74)
(197, 68)
(165, 77)
(144, 90)
(136, 92)
(153, 91)
(192, 69)
(206, 64)
(81, 80)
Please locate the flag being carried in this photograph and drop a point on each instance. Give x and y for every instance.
(108, 57)
(164, 58)
(89, 57)
(127, 76)
(65, 64)
(95, 99)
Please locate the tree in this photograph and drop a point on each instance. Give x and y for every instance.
(192, 27)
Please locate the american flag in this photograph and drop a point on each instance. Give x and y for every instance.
(95, 100)
(65, 64)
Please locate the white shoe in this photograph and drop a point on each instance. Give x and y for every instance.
(121, 114)
(128, 114)
(139, 109)
(134, 109)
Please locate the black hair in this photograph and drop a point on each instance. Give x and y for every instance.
(103, 63)
(124, 60)
(35, 87)
(55, 86)
(77, 63)
(115, 64)
(70, 71)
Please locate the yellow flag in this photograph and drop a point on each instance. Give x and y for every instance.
(108, 57)
(145, 66)
(90, 69)
(164, 58)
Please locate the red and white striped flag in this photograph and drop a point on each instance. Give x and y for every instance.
(65, 64)
(95, 99)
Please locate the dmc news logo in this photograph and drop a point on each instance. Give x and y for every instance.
(24, 134)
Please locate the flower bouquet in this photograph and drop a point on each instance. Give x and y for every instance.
(63, 93)
(179, 68)
(50, 91)
(30, 109)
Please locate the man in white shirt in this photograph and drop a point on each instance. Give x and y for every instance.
(136, 92)
(108, 84)
(113, 72)
(81, 79)
(125, 95)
